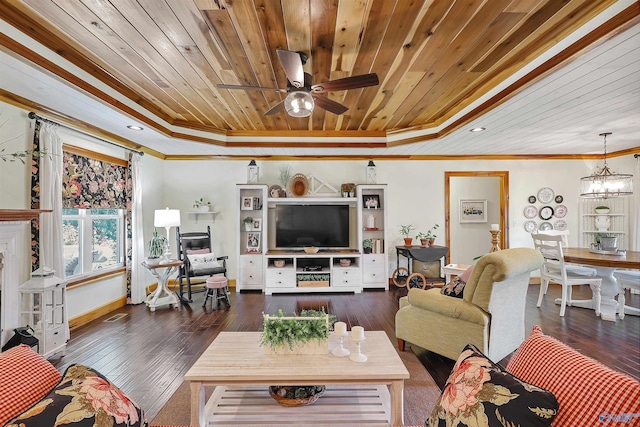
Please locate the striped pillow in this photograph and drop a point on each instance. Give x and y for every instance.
(588, 392)
(25, 378)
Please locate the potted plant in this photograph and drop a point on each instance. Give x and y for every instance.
(285, 177)
(367, 246)
(157, 245)
(431, 237)
(202, 205)
(289, 334)
(248, 223)
(348, 189)
(602, 209)
(423, 239)
(405, 230)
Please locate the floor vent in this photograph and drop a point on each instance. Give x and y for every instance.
(115, 317)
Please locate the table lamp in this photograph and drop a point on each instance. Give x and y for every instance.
(167, 218)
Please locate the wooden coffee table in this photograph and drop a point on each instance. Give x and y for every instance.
(235, 363)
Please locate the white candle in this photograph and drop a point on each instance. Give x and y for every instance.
(495, 226)
(357, 333)
(340, 328)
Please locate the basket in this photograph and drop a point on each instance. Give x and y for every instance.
(290, 402)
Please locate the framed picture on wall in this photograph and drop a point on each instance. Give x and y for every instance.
(473, 210)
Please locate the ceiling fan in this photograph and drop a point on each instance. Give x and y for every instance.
(302, 95)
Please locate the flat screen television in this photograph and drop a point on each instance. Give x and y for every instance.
(323, 226)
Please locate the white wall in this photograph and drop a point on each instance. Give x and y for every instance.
(415, 191)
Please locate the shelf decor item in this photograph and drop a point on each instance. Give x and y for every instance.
(202, 205)
(248, 223)
(307, 333)
(371, 172)
(292, 396)
(253, 172)
(299, 185)
(602, 209)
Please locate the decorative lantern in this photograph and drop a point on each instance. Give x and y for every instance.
(252, 172)
(371, 173)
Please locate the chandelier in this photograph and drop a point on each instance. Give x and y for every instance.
(603, 183)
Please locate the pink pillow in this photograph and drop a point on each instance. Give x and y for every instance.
(467, 273)
(198, 251)
(25, 378)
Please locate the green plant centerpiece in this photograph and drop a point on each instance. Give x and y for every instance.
(281, 332)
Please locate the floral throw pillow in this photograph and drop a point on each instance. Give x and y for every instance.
(83, 398)
(454, 288)
(480, 393)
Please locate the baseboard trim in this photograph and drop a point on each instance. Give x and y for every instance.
(83, 319)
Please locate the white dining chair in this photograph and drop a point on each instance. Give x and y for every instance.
(554, 269)
(582, 270)
(627, 279)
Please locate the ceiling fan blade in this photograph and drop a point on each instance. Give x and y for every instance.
(329, 104)
(275, 109)
(241, 87)
(353, 82)
(292, 65)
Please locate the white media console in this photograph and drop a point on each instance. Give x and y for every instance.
(262, 266)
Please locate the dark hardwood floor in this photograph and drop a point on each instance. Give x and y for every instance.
(147, 354)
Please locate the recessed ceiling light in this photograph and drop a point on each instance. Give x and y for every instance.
(477, 129)
(134, 127)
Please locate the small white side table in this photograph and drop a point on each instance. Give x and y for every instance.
(454, 269)
(162, 295)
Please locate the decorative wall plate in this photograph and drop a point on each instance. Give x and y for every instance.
(530, 226)
(545, 195)
(560, 225)
(299, 185)
(559, 199)
(546, 212)
(545, 226)
(532, 199)
(530, 211)
(561, 211)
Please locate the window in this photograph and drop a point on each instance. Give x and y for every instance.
(93, 240)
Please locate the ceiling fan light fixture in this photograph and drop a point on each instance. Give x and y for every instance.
(299, 103)
(603, 183)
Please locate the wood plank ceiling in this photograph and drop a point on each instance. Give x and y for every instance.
(433, 58)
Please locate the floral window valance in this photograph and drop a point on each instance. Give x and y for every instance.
(92, 184)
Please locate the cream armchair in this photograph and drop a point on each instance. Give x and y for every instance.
(490, 314)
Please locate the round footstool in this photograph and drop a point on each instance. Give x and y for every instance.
(217, 288)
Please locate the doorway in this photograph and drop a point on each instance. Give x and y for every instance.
(492, 186)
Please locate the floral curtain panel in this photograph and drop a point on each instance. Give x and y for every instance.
(93, 184)
(86, 184)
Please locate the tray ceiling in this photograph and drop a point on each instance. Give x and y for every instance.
(440, 63)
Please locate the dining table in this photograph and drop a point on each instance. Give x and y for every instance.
(605, 265)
